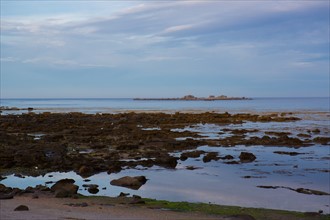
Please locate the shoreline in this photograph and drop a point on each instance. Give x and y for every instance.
(44, 206)
(109, 110)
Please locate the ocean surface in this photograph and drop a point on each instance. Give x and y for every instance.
(120, 105)
(215, 182)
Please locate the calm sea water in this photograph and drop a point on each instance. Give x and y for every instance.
(118, 105)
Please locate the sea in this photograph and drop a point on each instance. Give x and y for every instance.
(215, 182)
(114, 105)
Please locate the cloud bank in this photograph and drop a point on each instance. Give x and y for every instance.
(149, 48)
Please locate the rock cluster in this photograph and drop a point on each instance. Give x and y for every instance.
(89, 144)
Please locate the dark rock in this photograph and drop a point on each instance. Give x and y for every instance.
(192, 168)
(90, 185)
(35, 196)
(63, 182)
(19, 175)
(287, 153)
(299, 190)
(210, 156)
(268, 187)
(311, 192)
(136, 197)
(93, 189)
(192, 154)
(183, 157)
(316, 131)
(304, 135)
(21, 208)
(246, 157)
(64, 188)
(123, 194)
(277, 133)
(2, 177)
(114, 169)
(130, 182)
(167, 162)
(227, 157)
(42, 188)
(29, 189)
(85, 171)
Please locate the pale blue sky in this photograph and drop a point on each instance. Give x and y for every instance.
(164, 48)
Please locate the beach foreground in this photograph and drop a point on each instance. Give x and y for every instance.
(54, 208)
(48, 207)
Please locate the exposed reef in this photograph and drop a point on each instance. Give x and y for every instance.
(89, 144)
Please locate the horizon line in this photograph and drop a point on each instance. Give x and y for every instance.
(155, 97)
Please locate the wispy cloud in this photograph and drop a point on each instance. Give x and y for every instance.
(231, 39)
(161, 58)
(8, 59)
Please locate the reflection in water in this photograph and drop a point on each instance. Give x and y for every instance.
(221, 183)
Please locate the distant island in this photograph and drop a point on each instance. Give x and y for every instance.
(194, 98)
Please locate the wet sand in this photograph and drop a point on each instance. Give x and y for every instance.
(46, 207)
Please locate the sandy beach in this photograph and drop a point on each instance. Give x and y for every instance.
(46, 207)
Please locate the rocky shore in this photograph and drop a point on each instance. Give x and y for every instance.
(34, 144)
(89, 144)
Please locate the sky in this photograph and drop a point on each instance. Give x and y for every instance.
(128, 49)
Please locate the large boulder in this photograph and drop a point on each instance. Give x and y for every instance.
(130, 182)
(64, 188)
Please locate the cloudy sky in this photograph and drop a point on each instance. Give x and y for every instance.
(164, 48)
